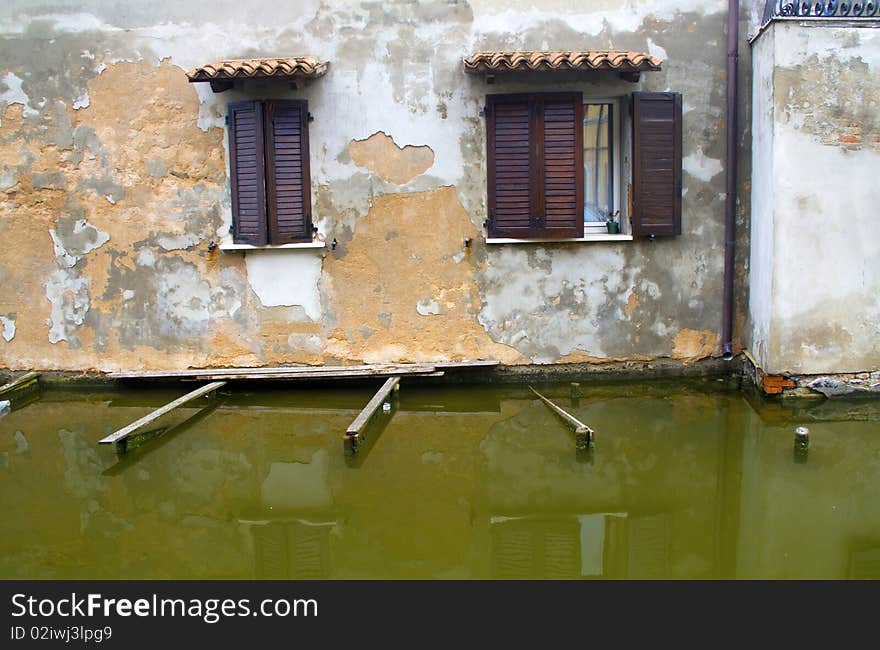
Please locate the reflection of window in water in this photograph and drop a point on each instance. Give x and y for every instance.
(598, 162)
(291, 550)
(610, 545)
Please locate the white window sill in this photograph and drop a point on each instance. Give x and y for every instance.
(277, 247)
(588, 238)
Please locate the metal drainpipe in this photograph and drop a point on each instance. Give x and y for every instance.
(730, 202)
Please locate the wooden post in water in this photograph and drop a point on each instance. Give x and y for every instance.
(575, 394)
(801, 444)
(354, 434)
(583, 434)
(119, 438)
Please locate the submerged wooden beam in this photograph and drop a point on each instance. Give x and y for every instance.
(22, 382)
(353, 434)
(583, 434)
(119, 436)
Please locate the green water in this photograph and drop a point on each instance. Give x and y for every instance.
(684, 481)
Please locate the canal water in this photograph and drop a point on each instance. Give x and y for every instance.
(686, 480)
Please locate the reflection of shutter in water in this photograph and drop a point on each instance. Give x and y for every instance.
(270, 550)
(307, 550)
(561, 550)
(648, 546)
(512, 552)
(536, 548)
(292, 550)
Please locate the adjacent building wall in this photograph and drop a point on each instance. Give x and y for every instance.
(815, 237)
(114, 182)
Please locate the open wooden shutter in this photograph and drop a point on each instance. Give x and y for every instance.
(510, 166)
(656, 164)
(247, 171)
(560, 135)
(287, 171)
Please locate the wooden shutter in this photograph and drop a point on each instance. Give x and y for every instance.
(510, 166)
(535, 165)
(247, 171)
(560, 120)
(656, 164)
(288, 183)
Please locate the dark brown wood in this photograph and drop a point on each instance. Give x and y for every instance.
(562, 181)
(534, 164)
(509, 166)
(656, 164)
(288, 185)
(246, 165)
(221, 85)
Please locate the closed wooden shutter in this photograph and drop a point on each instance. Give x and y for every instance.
(247, 171)
(287, 171)
(560, 124)
(656, 164)
(510, 166)
(535, 165)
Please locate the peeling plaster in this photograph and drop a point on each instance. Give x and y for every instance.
(381, 155)
(8, 323)
(69, 296)
(286, 278)
(15, 95)
(702, 167)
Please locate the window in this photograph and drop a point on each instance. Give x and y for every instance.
(554, 164)
(269, 166)
(600, 162)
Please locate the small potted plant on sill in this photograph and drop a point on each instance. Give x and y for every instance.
(611, 223)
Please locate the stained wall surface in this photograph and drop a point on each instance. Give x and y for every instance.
(114, 184)
(815, 239)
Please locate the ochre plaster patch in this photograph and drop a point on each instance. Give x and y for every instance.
(692, 345)
(418, 264)
(381, 155)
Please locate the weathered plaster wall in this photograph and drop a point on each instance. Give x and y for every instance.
(114, 182)
(816, 293)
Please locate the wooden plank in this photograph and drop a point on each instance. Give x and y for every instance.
(319, 376)
(353, 433)
(225, 373)
(22, 382)
(583, 434)
(198, 372)
(123, 433)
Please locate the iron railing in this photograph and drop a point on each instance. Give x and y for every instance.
(827, 9)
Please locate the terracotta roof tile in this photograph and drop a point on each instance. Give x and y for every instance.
(305, 66)
(592, 60)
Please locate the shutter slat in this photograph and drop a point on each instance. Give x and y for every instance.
(246, 164)
(656, 164)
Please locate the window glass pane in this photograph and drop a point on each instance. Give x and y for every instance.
(598, 162)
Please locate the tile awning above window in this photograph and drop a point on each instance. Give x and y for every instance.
(628, 64)
(222, 74)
